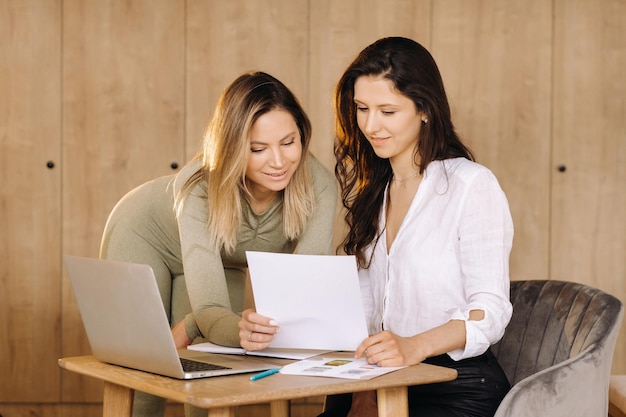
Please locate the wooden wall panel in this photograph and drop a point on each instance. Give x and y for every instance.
(56, 410)
(35, 410)
(339, 30)
(303, 407)
(30, 199)
(495, 59)
(227, 38)
(114, 92)
(589, 139)
(123, 103)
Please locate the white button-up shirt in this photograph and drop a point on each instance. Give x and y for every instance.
(450, 256)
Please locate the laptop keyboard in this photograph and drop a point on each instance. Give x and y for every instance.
(191, 366)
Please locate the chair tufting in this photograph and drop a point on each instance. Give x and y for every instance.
(558, 348)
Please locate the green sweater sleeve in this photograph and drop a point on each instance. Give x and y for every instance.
(204, 271)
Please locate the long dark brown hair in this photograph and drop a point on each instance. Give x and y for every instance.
(362, 175)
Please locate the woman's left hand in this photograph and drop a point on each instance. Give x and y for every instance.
(256, 332)
(389, 349)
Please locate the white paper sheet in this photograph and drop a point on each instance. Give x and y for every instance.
(268, 353)
(315, 299)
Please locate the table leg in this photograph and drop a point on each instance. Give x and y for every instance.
(280, 408)
(393, 402)
(222, 412)
(118, 400)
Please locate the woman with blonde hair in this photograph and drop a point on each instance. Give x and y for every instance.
(253, 186)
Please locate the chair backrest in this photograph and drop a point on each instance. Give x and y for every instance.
(554, 321)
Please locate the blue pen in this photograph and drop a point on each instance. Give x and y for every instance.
(264, 374)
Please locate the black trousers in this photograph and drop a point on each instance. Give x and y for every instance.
(478, 390)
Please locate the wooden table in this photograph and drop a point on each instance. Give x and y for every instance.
(221, 395)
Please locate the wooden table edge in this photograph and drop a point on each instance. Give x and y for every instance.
(161, 385)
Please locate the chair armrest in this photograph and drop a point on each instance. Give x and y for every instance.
(575, 387)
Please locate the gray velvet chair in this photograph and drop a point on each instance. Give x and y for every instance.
(558, 349)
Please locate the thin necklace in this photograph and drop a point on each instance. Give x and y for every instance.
(403, 180)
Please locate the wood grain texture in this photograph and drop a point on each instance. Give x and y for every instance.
(227, 391)
(495, 59)
(588, 222)
(339, 31)
(280, 408)
(114, 92)
(30, 199)
(388, 401)
(118, 400)
(123, 102)
(226, 39)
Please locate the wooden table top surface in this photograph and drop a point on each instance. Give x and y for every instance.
(225, 391)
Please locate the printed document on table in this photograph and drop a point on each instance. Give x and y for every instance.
(268, 353)
(337, 367)
(316, 299)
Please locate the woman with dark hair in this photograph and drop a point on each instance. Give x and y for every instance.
(253, 186)
(430, 228)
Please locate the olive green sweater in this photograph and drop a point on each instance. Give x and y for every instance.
(143, 228)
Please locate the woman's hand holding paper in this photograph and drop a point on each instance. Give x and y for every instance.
(256, 332)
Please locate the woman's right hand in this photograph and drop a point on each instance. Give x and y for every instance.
(256, 332)
(181, 340)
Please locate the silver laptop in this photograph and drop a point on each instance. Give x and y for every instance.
(126, 324)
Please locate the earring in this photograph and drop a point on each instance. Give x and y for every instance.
(425, 121)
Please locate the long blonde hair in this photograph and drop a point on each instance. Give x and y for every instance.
(224, 155)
